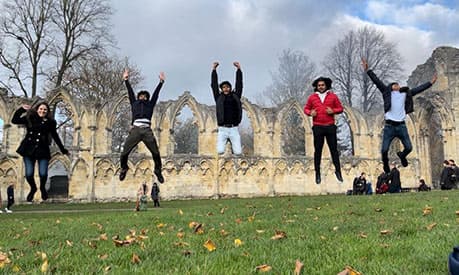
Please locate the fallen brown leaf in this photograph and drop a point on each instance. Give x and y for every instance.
(431, 226)
(181, 244)
(457, 212)
(210, 245)
(298, 267)
(103, 237)
(210, 214)
(135, 259)
(385, 232)
(103, 257)
(238, 220)
(69, 243)
(180, 235)
(363, 235)
(186, 253)
(279, 235)
(427, 210)
(263, 268)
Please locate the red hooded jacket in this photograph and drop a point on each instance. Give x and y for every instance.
(322, 118)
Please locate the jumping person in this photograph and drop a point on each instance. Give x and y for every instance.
(142, 111)
(398, 102)
(40, 127)
(322, 105)
(229, 110)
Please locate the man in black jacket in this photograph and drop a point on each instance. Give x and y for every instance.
(229, 110)
(398, 102)
(395, 185)
(142, 111)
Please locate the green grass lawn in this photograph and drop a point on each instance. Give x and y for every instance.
(383, 234)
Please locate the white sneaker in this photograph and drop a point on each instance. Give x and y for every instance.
(8, 211)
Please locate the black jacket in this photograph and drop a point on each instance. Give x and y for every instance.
(387, 89)
(445, 180)
(10, 192)
(359, 186)
(155, 192)
(395, 184)
(220, 98)
(38, 138)
(142, 108)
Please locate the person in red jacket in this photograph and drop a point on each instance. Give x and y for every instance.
(322, 105)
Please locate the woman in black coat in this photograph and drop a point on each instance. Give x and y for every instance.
(41, 128)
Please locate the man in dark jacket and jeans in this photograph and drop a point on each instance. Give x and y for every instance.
(142, 111)
(398, 102)
(229, 110)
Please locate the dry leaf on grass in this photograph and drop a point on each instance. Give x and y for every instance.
(378, 210)
(260, 231)
(44, 267)
(279, 235)
(210, 245)
(222, 211)
(363, 235)
(427, 210)
(160, 225)
(335, 228)
(385, 232)
(223, 232)
(4, 258)
(349, 271)
(238, 220)
(180, 212)
(103, 257)
(186, 253)
(69, 243)
(107, 268)
(180, 235)
(181, 244)
(298, 267)
(238, 242)
(135, 259)
(457, 212)
(103, 237)
(431, 226)
(263, 268)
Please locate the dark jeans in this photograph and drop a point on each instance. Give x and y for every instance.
(320, 134)
(395, 131)
(136, 135)
(156, 203)
(29, 164)
(10, 202)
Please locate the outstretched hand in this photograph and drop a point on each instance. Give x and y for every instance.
(434, 78)
(237, 64)
(126, 74)
(162, 76)
(364, 64)
(215, 65)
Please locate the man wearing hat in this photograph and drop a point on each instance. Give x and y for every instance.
(398, 102)
(229, 110)
(142, 111)
(322, 105)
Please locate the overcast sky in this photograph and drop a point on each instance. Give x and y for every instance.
(183, 37)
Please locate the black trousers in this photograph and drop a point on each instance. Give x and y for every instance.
(156, 203)
(321, 133)
(10, 202)
(136, 135)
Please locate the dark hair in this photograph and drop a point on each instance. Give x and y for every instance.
(326, 80)
(32, 113)
(452, 161)
(393, 83)
(225, 83)
(145, 93)
(422, 181)
(446, 162)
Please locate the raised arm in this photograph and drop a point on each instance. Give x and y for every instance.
(238, 88)
(18, 118)
(214, 80)
(56, 137)
(155, 95)
(424, 86)
(128, 86)
(379, 84)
